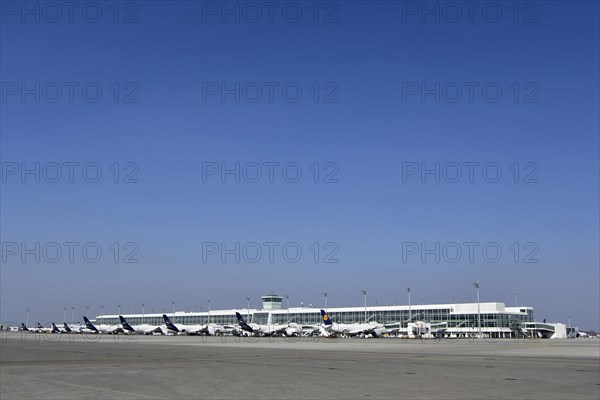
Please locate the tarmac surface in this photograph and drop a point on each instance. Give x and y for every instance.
(175, 367)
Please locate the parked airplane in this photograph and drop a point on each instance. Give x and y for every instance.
(142, 328)
(291, 329)
(101, 328)
(371, 328)
(181, 329)
(37, 328)
(43, 329)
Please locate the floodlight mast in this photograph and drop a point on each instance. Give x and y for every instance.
(364, 292)
(476, 284)
(209, 300)
(409, 308)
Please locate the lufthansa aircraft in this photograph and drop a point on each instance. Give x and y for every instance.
(38, 328)
(143, 328)
(181, 329)
(101, 328)
(291, 329)
(361, 330)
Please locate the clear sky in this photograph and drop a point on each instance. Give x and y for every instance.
(404, 117)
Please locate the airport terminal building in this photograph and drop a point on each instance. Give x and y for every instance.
(443, 320)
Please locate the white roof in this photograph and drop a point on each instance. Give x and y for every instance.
(459, 308)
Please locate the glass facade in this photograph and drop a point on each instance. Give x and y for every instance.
(153, 319)
(442, 318)
(271, 299)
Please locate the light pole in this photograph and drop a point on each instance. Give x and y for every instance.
(72, 315)
(364, 292)
(325, 294)
(516, 299)
(65, 314)
(102, 310)
(248, 307)
(88, 310)
(476, 284)
(452, 299)
(209, 299)
(143, 312)
(409, 309)
(287, 297)
(173, 302)
(27, 320)
(119, 307)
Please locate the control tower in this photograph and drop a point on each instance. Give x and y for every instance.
(271, 302)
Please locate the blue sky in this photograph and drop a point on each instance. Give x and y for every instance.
(371, 64)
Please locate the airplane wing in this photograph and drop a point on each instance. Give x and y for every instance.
(356, 331)
(279, 329)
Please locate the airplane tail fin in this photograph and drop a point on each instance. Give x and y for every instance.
(88, 324)
(170, 325)
(326, 319)
(39, 326)
(55, 328)
(67, 328)
(125, 324)
(23, 327)
(243, 322)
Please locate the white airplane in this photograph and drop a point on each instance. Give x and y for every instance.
(142, 328)
(101, 328)
(291, 329)
(362, 330)
(181, 329)
(74, 328)
(46, 329)
(38, 328)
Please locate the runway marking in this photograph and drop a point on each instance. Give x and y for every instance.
(85, 387)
